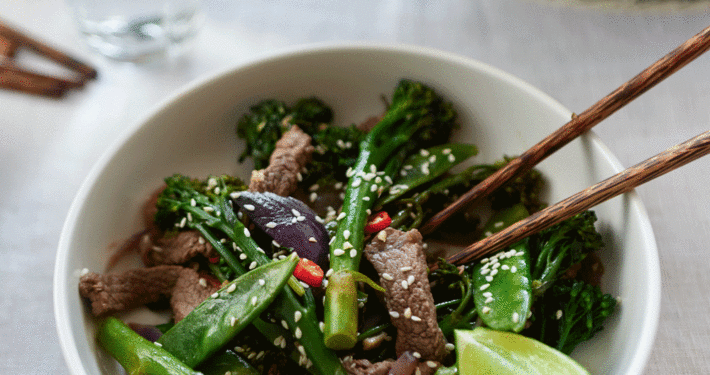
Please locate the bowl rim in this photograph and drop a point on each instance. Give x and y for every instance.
(67, 339)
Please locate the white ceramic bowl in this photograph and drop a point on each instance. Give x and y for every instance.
(193, 133)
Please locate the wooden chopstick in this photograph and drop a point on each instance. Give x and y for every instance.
(627, 92)
(622, 182)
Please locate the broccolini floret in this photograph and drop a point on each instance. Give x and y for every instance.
(571, 312)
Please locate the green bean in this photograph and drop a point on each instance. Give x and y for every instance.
(136, 354)
(219, 318)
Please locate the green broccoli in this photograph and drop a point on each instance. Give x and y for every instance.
(453, 294)
(206, 206)
(417, 117)
(554, 250)
(571, 312)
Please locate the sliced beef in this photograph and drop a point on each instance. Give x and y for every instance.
(176, 249)
(115, 292)
(401, 264)
(291, 154)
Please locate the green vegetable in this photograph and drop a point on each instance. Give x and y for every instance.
(211, 213)
(228, 362)
(571, 312)
(502, 289)
(416, 118)
(557, 248)
(136, 354)
(455, 288)
(219, 318)
(426, 166)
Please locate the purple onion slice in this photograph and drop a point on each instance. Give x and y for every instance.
(289, 222)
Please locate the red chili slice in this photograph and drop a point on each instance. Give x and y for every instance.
(379, 222)
(309, 272)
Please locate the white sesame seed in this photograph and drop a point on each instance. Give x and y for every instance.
(346, 234)
(231, 288)
(357, 182)
(373, 188)
(416, 318)
(487, 294)
(299, 176)
(249, 207)
(484, 286)
(329, 272)
(408, 167)
(313, 196)
(353, 253)
(215, 295)
(446, 151)
(449, 346)
(157, 343)
(485, 260)
(514, 269)
(254, 300)
(486, 309)
(321, 325)
(382, 236)
(495, 265)
(485, 271)
(519, 253)
(262, 282)
(232, 321)
(405, 284)
(314, 187)
(489, 278)
(201, 240)
(193, 203)
(408, 313)
(489, 300)
(284, 324)
(252, 265)
(202, 282)
(505, 267)
(558, 314)
(373, 168)
(347, 245)
(297, 316)
(416, 355)
(341, 216)
(388, 179)
(405, 268)
(394, 314)
(432, 159)
(234, 195)
(431, 364)
(494, 272)
(387, 276)
(246, 232)
(424, 152)
(516, 317)
(338, 252)
(451, 158)
(410, 280)
(312, 239)
(242, 256)
(298, 333)
(183, 222)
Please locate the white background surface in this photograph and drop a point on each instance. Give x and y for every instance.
(575, 54)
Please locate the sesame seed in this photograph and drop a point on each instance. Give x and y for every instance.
(260, 355)
(298, 333)
(449, 346)
(416, 355)
(366, 198)
(394, 314)
(338, 185)
(158, 344)
(519, 253)
(452, 158)
(373, 168)
(353, 253)
(485, 271)
(388, 179)
(313, 197)
(405, 284)
(262, 282)
(202, 282)
(513, 269)
(357, 182)
(489, 278)
(234, 195)
(487, 294)
(252, 265)
(495, 265)
(347, 245)
(284, 324)
(232, 321)
(416, 318)
(189, 216)
(373, 188)
(231, 288)
(183, 222)
(516, 317)
(299, 176)
(405, 268)
(408, 167)
(246, 232)
(249, 207)
(321, 325)
(242, 256)
(494, 272)
(329, 272)
(346, 234)
(312, 239)
(215, 295)
(489, 300)
(201, 240)
(424, 152)
(431, 364)
(338, 252)
(505, 267)
(295, 212)
(382, 236)
(341, 216)
(446, 151)
(408, 313)
(277, 341)
(193, 203)
(410, 280)
(314, 187)
(558, 315)
(387, 276)
(485, 260)
(350, 172)
(254, 300)
(486, 309)
(297, 316)
(432, 159)
(484, 286)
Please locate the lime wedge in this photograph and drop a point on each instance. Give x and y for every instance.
(487, 351)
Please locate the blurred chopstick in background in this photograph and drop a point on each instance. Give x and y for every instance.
(14, 77)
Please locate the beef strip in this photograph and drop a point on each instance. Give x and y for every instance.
(291, 154)
(116, 292)
(401, 264)
(177, 249)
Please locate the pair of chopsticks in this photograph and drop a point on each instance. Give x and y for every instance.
(622, 182)
(13, 77)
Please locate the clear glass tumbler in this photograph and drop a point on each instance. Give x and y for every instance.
(138, 30)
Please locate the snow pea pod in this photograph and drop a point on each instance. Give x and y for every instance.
(219, 318)
(228, 362)
(425, 166)
(502, 283)
(136, 354)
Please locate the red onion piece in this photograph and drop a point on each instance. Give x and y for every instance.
(289, 222)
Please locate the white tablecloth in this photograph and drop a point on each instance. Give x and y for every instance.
(576, 54)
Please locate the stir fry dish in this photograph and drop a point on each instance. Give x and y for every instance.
(316, 266)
